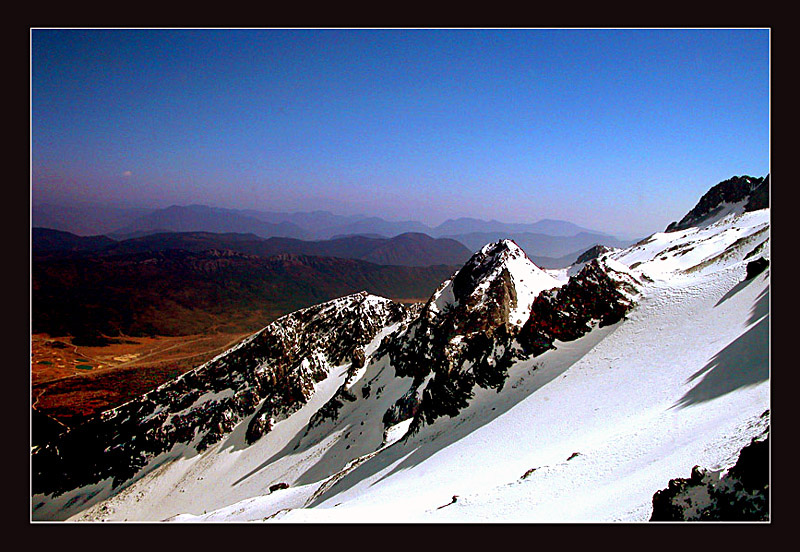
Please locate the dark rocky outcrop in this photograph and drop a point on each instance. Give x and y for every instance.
(592, 253)
(567, 313)
(751, 192)
(754, 268)
(742, 494)
(461, 341)
(759, 198)
(44, 428)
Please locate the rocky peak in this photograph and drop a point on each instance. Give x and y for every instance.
(465, 334)
(739, 193)
(496, 286)
(592, 253)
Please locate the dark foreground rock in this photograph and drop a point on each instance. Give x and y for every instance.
(754, 268)
(740, 495)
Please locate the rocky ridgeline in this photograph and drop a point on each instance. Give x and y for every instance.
(593, 253)
(466, 335)
(751, 192)
(741, 494)
(272, 374)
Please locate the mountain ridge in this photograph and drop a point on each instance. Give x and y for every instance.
(409, 249)
(490, 401)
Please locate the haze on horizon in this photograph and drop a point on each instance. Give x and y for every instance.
(616, 130)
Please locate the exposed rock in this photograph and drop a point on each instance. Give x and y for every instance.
(740, 495)
(751, 192)
(759, 198)
(358, 358)
(567, 313)
(278, 487)
(468, 335)
(44, 428)
(592, 253)
(464, 335)
(754, 268)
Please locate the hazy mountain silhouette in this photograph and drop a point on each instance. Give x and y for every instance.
(543, 245)
(86, 219)
(466, 225)
(404, 250)
(201, 218)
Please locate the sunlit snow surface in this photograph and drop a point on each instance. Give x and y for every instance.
(588, 431)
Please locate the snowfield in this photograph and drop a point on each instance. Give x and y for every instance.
(587, 432)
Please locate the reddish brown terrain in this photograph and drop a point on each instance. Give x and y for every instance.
(70, 382)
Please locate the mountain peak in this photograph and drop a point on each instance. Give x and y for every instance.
(737, 194)
(499, 276)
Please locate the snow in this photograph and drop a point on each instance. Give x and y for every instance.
(396, 432)
(625, 414)
(529, 281)
(683, 381)
(443, 298)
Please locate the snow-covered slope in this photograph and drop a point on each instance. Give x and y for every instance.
(509, 396)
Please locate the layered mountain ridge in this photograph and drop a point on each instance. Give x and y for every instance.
(512, 394)
(463, 337)
(270, 374)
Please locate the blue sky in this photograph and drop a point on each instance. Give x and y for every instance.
(617, 130)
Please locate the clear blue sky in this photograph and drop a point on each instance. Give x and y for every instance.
(618, 130)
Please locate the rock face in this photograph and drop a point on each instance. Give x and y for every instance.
(754, 268)
(464, 335)
(740, 495)
(272, 374)
(751, 193)
(592, 253)
(597, 294)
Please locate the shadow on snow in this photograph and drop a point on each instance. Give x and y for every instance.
(743, 363)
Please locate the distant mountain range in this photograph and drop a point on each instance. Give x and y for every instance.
(543, 245)
(403, 250)
(550, 227)
(120, 223)
(555, 243)
(88, 219)
(201, 218)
